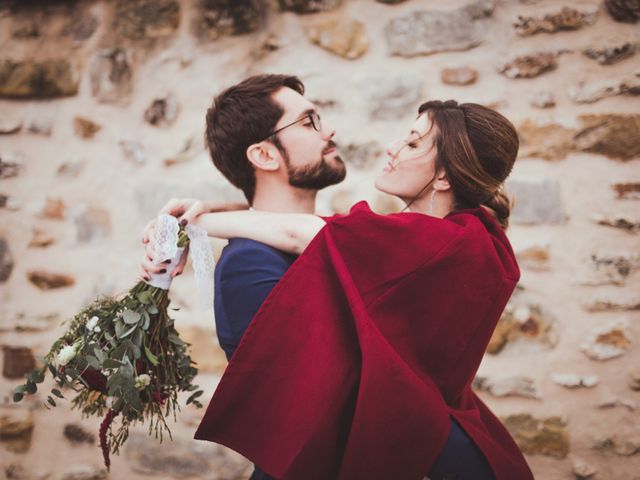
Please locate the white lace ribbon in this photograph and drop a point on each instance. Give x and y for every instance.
(163, 245)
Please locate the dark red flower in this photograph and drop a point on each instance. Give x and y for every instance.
(95, 380)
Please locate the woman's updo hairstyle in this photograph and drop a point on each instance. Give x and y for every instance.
(477, 148)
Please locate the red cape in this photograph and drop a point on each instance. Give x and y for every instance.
(353, 364)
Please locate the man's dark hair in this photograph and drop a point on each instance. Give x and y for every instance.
(240, 116)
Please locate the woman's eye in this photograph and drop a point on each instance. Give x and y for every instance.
(412, 144)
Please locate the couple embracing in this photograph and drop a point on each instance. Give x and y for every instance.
(353, 339)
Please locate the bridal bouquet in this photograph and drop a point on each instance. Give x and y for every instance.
(123, 357)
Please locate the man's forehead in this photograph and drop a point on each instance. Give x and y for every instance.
(292, 103)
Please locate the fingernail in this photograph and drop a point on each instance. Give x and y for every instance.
(167, 261)
(183, 222)
(164, 270)
(179, 273)
(147, 278)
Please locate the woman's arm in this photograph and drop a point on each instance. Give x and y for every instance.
(289, 232)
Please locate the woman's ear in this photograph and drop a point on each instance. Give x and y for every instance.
(263, 156)
(442, 182)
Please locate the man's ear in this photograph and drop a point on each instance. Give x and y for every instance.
(263, 156)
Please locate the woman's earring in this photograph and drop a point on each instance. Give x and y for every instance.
(433, 195)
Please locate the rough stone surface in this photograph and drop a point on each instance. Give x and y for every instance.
(627, 11)
(516, 386)
(634, 381)
(610, 268)
(586, 91)
(572, 380)
(537, 201)
(583, 470)
(41, 125)
(343, 36)
(525, 326)
(543, 100)
(529, 66)
(146, 19)
(133, 152)
(615, 402)
(85, 127)
(9, 125)
(627, 190)
(75, 433)
(393, 98)
(459, 76)
(91, 223)
(17, 361)
(618, 445)
(85, 472)
(191, 148)
(10, 164)
(545, 436)
(182, 458)
(424, 32)
(229, 17)
(608, 304)
(111, 75)
(363, 156)
(550, 141)
(619, 221)
(308, 6)
(21, 322)
(80, 27)
(162, 112)
(204, 349)
(566, 19)
(612, 135)
(53, 209)
(607, 342)
(534, 256)
(6, 260)
(71, 168)
(610, 54)
(16, 427)
(48, 280)
(33, 79)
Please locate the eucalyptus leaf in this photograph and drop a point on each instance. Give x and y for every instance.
(147, 320)
(57, 393)
(112, 363)
(51, 401)
(36, 376)
(130, 317)
(152, 309)
(31, 387)
(100, 355)
(144, 297)
(137, 338)
(175, 339)
(120, 327)
(150, 356)
(93, 362)
(17, 396)
(194, 396)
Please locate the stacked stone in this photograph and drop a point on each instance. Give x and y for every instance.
(102, 106)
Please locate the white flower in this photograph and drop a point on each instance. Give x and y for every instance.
(92, 323)
(142, 381)
(96, 329)
(65, 355)
(109, 401)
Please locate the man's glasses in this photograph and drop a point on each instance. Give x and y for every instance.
(312, 117)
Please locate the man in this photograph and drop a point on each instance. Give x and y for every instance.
(267, 140)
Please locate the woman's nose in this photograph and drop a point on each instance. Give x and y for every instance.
(392, 149)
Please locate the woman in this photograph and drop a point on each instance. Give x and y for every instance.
(382, 322)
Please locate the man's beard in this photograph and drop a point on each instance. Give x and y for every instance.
(316, 176)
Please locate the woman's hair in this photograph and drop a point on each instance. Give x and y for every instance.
(477, 148)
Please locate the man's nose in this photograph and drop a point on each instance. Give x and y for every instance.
(327, 131)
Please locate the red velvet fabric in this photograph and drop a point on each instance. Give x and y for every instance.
(353, 364)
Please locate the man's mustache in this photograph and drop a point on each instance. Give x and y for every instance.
(330, 144)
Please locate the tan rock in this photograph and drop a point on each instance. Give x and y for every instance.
(627, 190)
(587, 91)
(37, 79)
(534, 256)
(614, 402)
(85, 128)
(459, 76)
(550, 141)
(162, 112)
(583, 470)
(204, 349)
(610, 54)
(146, 19)
(53, 209)
(572, 380)
(529, 66)
(612, 135)
(608, 268)
(528, 325)
(40, 238)
(634, 381)
(344, 37)
(17, 361)
(546, 436)
(9, 125)
(543, 100)
(566, 19)
(515, 386)
(608, 304)
(47, 280)
(623, 446)
(16, 428)
(618, 221)
(609, 341)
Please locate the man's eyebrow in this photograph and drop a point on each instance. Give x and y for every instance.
(308, 111)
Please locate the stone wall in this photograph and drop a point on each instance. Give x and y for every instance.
(102, 118)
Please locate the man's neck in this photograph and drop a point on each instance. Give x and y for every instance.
(285, 199)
